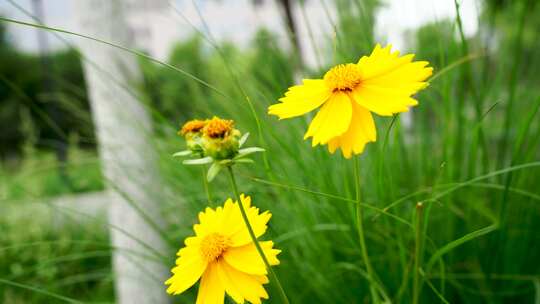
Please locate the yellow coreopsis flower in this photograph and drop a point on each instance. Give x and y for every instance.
(382, 82)
(224, 257)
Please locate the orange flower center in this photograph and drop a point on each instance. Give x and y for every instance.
(213, 246)
(218, 128)
(192, 126)
(343, 77)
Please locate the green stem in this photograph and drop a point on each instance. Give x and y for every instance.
(273, 276)
(418, 252)
(206, 186)
(360, 228)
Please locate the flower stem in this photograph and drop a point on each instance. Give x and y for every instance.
(360, 228)
(417, 252)
(273, 276)
(206, 186)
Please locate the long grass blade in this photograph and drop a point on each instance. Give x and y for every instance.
(456, 243)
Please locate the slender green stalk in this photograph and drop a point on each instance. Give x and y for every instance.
(502, 219)
(206, 186)
(273, 276)
(40, 291)
(513, 82)
(418, 252)
(360, 228)
(468, 81)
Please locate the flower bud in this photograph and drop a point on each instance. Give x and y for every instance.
(192, 132)
(220, 139)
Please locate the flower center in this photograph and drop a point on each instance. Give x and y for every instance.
(343, 77)
(218, 128)
(213, 246)
(192, 126)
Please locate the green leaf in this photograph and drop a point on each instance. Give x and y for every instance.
(182, 153)
(213, 171)
(247, 151)
(458, 242)
(243, 139)
(198, 161)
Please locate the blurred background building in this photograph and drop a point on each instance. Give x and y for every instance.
(158, 24)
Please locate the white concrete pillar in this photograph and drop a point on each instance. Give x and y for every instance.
(129, 161)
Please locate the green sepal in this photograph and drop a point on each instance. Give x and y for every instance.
(246, 151)
(213, 171)
(198, 161)
(243, 139)
(182, 153)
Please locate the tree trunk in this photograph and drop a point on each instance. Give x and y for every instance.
(129, 161)
(292, 29)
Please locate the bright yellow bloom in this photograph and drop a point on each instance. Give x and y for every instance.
(222, 253)
(382, 82)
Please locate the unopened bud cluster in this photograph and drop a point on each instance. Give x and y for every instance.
(214, 142)
(214, 137)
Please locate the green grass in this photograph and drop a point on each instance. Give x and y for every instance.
(471, 156)
(42, 261)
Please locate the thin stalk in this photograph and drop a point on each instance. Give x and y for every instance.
(418, 252)
(273, 276)
(360, 228)
(500, 237)
(513, 83)
(206, 186)
(468, 80)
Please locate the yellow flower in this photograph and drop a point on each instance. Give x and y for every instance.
(382, 82)
(222, 254)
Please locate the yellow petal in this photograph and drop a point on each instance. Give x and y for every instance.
(301, 99)
(248, 260)
(189, 269)
(208, 222)
(211, 289)
(381, 61)
(232, 219)
(401, 74)
(332, 120)
(189, 252)
(382, 101)
(388, 81)
(240, 285)
(258, 223)
(361, 131)
(230, 286)
(261, 279)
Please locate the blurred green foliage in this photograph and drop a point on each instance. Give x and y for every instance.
(44, 248)
(169, 96)
(25, 94)
(178, 99)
